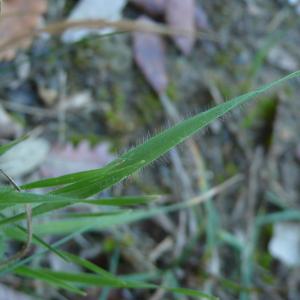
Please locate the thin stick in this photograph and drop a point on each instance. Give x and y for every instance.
(28, 210)
(122, 25)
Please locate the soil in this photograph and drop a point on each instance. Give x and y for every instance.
(256, 42)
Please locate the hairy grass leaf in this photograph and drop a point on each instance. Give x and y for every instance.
(88, 183)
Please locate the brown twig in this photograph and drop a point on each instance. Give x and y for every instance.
(122, 25)
(29, 110)
(28, 210)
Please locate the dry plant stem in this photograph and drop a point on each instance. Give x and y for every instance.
(253, 187)
(165, 222)
(29, 110)
(254, 177)
(133, 254)
(215, 190)
(186, 190)
(158, 295)
(164, 246)
(27, 245)
(218, 99)
(201, 171)
(122, 25)
(191, 146)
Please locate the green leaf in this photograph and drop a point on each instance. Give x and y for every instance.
(91, 215)
(287, 215)
(70, 225)
(9, 197)
(87, 264)
(19, 233)
(41, 209)
(85, 279)
(191, 293)
(123, 201)
(88, 183)
(48, 277)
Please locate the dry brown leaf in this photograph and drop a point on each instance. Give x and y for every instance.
(152, 7)
(181, 15)
(149, 54)
(19, 18)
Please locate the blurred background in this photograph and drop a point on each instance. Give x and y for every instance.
(88, 94)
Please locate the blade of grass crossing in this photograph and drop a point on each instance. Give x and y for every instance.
(155, 147)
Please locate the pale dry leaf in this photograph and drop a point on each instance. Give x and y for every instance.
(25, 157)
(9, 128)
(19, 19)
(80, 101)
(281, 58)
(201, 18)
(64, 159)
(11, 294)
(285, 243)
(93, 10)
(149, 54)
(181, 15)
(152, 7)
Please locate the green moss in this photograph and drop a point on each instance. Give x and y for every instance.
(264, 111)
(119, 99)
(223, 59)
(172, 91)
(109, 244)
(69, 6)
(231, 169)
(18, 118)
(148, 105)
(116, 122)
(93, 139)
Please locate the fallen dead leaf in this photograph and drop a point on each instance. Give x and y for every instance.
(8, 293)
(64, 159)
(201, 18)
(180, 15)
(151, 7)
(24, 157)
(149, 54)
(285, 243)
(48, 96)
(93, 10)
(19, 18)
(79, 101)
